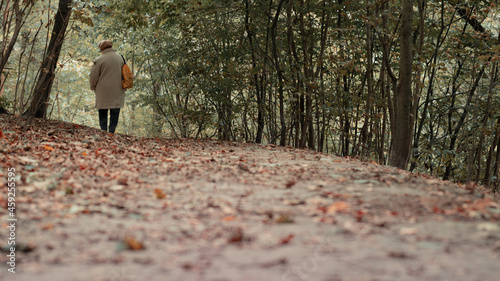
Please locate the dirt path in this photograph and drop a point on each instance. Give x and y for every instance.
(95, 207)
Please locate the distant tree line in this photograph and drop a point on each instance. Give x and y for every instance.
(409, 83)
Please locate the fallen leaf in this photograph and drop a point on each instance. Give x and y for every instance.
(322, 209)
(285, 219)
(48, 226)
(236, 236)
(188, 266)
(243, 167)
(48, 148)
(437, 210)
(337, 207)
(359, 216)
(398, 255)
(159, 193)
(133, 244)
(318, 201)
(286, 240)
(228, 218)
(481, 205)
(330, 220)
(290, 183)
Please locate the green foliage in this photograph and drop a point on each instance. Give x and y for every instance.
(5, 103)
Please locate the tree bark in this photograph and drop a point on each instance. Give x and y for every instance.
(461, 122)
(279, 73)
(10, 11)
(467, 16)
(41, 93)
(402, 129)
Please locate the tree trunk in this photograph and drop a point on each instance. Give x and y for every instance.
(364, 138)
(41, 93)
(461, 122)
(11, 10)
(489, 161)
(279, 73)
(402, 129)
(486, 118)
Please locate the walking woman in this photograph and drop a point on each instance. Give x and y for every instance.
(106, 82)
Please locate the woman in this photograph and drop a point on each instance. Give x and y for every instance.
(106, 82)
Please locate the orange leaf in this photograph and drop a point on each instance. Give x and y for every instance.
(84, 153)
(133, 244)
(228, 218)
(159, 193)
(337, 207)
(49, 148)
(48, 226)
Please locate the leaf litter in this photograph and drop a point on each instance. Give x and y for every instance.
(88, 203)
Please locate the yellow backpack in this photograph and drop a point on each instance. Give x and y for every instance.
(127, 76)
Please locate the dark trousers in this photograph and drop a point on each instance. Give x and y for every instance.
(113, 120)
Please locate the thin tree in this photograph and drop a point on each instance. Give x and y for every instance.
(14, 17)
(41, 92)
(402, 125)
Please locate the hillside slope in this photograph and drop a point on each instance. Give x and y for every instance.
(92, 206)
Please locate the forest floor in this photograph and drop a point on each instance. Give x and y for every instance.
(93, 206)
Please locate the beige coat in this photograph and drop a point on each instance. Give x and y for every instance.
(106, 80)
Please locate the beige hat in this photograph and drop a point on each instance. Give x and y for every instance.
(104, 44)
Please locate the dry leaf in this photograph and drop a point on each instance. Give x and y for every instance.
(228, 218)
(359, 216)
(133, 244)
(437, 210)
(285, 219)
(237, 236)
(481, 205)
(48, 226)
(286, 240)
(48, 148)
(337, 207)
(290, 183)
(159, 193)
